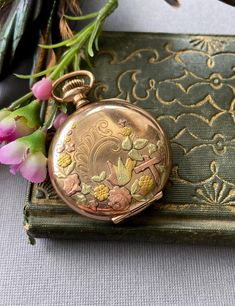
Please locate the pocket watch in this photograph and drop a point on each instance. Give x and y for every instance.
(110, 159)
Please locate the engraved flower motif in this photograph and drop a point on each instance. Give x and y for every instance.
(146, 184)
(70, 147)
(126, 131)
(120, 198)
(64, 160)
(101, 192)
(71, 184)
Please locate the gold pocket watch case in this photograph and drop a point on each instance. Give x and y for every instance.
(110, 159)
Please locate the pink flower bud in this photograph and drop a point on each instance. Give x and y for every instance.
(42, 89)
(59, 120)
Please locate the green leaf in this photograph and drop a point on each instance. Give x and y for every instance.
(70, 168)
(99, 178)
(86, 189)
(152, 148)
(127, 143)
(134, 186)
(102, 176)
(35, 75)
(60, 175)
(160, 144)
(135, 155)
(138, 197)
(140, 143)
(81, 198)
(123, 174)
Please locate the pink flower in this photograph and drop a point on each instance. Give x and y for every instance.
(119, 198)
(42, 89)
(71, 184)
(59, 120)
(26, 155)
(20, 122)
(34, 167)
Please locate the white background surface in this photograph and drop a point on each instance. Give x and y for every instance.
(114, 273)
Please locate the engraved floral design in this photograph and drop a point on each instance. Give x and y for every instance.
(101, 192)
(119, 198)
(70, 147)
(146, 184)
(111, 189)
(71, 184)
(126, 131)
(64, 160)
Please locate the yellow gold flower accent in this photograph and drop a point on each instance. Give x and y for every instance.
(64, 160)
(126, 131)
(101, 192)
(74, 126)
(146, 184)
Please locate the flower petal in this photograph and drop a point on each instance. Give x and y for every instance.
(34, 168)
(14, 168)
(7, 128)
(13, 153)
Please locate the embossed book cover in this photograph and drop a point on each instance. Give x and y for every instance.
(187, 83)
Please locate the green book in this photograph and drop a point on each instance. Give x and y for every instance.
(187, 83)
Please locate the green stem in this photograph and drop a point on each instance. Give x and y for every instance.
(80, 18)
(21, 100)
(70, 55)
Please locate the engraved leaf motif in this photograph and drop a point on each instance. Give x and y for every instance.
(127, 143)
(134, 186)
(81, 198)
(140, 143)
(123, 172)
(60, 175)
(86, 189)
(160, 144)
(139, 197)
(102, 175)
(70, 168)
(152, 148)
(99, 178)
(161, 168)
(135, 155)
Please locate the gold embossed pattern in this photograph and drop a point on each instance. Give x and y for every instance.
(187, 82)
